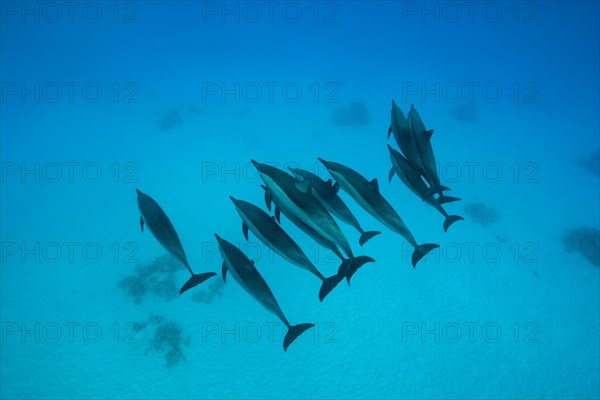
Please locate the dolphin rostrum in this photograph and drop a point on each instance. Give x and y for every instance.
(286, 191)
(272, 234)
(422, 139)
(412, 179)
(326, 193)
(367, 195)
(245, 273)
(153, 216)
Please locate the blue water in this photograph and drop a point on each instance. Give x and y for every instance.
(175, 98)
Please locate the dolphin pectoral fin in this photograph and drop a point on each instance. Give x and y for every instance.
(391, 174)
(389, 131)
(329, 284)
(450, 219)
(224, 271)
(278, 214)
(421, 251)
(293, 332)
(245, 230)
(268, 197)
(195, 280)
(446, 199)
(365, 236)
(427, 134)
(142, 223)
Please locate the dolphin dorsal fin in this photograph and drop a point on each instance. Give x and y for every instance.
(142, 223)
(375, 184)
(335, 188)
(427, 134)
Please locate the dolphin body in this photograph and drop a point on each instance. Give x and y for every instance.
(245, 273)
(272, 234)
(367, 195)
(332, 202)
(153, 216)
(412, 179)
(422, 138)
(284, 190)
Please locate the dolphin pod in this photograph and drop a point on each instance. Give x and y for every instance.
(414, 141)
(153, 216)
(313, 205)
(296, 197)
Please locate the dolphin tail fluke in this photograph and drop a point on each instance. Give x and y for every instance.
(349, 266)
(365, 236)
(329, 284)
(195, 280)
(293, 332)
(421, 251)
(450, 219)
(446, 199)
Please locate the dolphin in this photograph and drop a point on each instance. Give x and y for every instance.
(422, 139)
(245, 273)
(272, 234)
(344, 268)
(153, 216)
(412, 179)
(327, 195)
(404, 137)
(367, 195)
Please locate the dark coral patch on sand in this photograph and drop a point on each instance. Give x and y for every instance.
(170, 121)
(592, 163)
(482, 214)
(209, 293)
(161, 278)
(168, 339)
(466, 113)
(356, 114)
(157, 277)
(584, 240)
